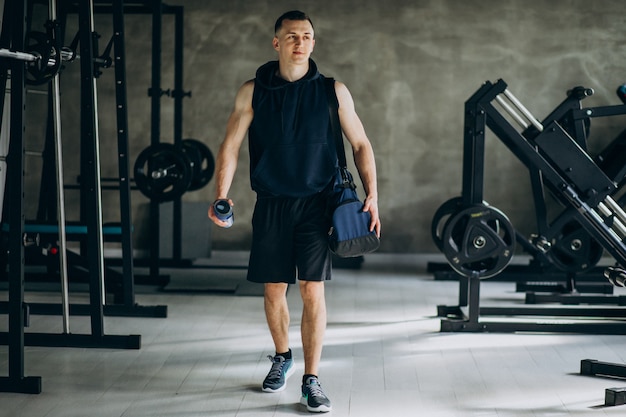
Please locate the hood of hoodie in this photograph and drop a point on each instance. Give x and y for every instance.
(267, 75)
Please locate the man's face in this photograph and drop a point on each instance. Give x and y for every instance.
(294, 41)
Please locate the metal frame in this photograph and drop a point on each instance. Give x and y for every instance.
(122, 284)
(16, 381)
(156, 9)
(592, 367)
(583, 190)
(91, 213)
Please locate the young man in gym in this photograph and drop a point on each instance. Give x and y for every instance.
(284, 111)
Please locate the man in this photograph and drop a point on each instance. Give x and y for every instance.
(284, 111)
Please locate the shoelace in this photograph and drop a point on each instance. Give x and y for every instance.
(315, 389)
(277, 367)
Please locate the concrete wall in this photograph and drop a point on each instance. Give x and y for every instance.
(410, 65)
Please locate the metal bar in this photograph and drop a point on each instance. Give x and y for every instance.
(155, 130)
(524, 110)
(594, 367)
(602, 111)
(80, 340)
(519, 119)
(15, 194)
(177, 235)
(474, 300)
(619, 225)
(90, 169)
(615, 208)
(605, 210)
(15, 13)
(474, 146)
(111, 310)
(122, 147)
(56, 112)
(20, 56)
(550, 326)
(28, 57)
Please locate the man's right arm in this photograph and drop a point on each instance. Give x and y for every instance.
(236, 129)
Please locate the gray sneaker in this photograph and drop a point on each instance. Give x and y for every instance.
(313, 397)
(277, 377)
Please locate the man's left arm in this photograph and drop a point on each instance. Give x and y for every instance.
(362, 150)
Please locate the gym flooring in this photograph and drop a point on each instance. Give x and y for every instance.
(384, 354)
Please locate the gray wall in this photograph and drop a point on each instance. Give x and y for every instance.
(410, 66)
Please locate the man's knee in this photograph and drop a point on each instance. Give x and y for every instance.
(275, 291)
(312, 290)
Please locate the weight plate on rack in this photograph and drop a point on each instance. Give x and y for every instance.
(478, 241)
(40, 72)
(162, 172)
(573, 249)
(203, 163)
(442, 215)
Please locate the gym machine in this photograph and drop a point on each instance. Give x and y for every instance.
(564, 255)
(45, 250)
(120, 284)
(13, 36)
(478, 240)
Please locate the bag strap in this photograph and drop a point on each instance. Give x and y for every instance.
(333, 110)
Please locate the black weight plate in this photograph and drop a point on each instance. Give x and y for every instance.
(39, 72)
(573, 249)
(478, 241)
(204, 169)
(195, 158)
(162, 172)
(441, 216)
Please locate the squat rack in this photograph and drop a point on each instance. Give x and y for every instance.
(18, 310)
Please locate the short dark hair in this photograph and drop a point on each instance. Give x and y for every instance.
(291, 15)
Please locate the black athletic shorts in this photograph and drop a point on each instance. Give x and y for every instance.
(289, 240)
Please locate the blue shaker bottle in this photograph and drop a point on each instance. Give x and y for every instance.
(224, 212)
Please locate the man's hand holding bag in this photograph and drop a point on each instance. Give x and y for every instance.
(349, 235)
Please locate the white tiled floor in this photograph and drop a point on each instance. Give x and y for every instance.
(384, 356)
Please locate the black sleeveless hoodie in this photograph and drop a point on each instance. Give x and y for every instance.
(292, 153)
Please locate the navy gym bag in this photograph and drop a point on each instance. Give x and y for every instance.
(350, 234)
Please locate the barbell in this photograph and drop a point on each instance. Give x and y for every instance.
(42, 55)
(164, 171)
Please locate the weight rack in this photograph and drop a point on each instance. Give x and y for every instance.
(18, 310)
(564, 167)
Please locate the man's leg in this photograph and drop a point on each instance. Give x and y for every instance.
(313, 328)
(313, 324)
(277, 314)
